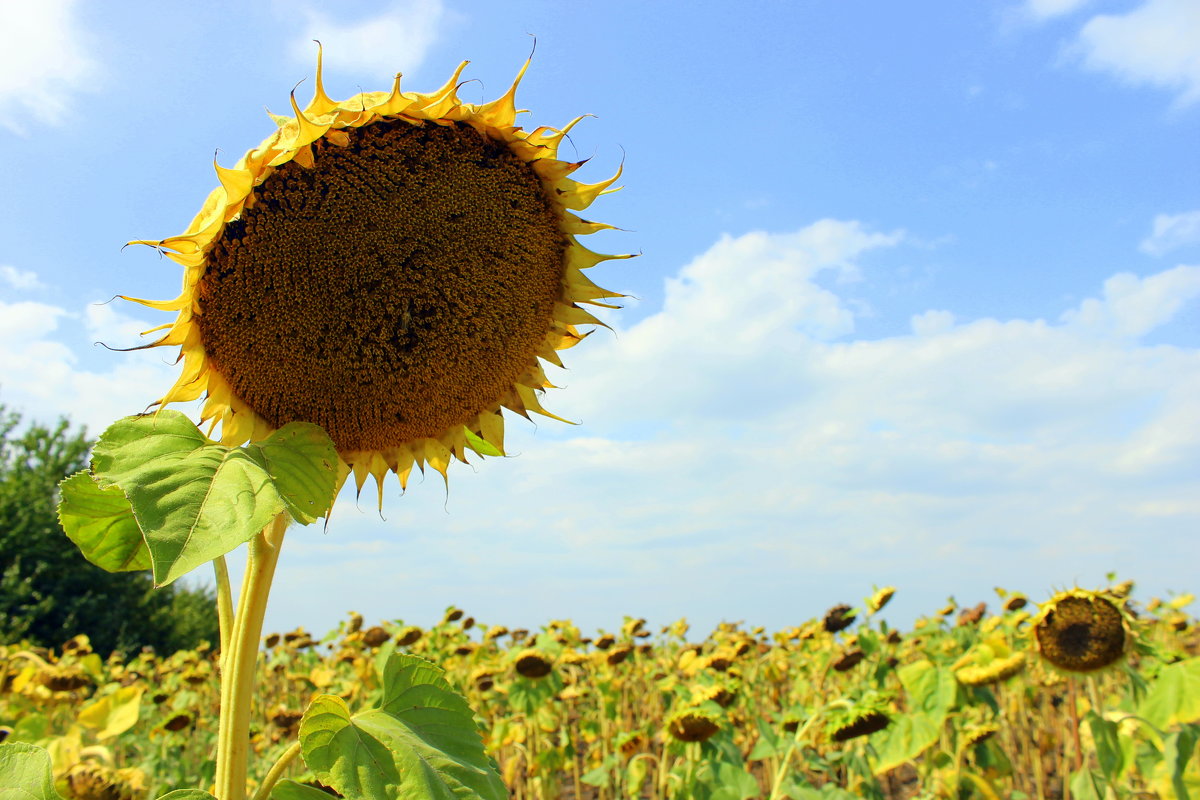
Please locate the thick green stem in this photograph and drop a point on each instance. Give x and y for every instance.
(238, 665)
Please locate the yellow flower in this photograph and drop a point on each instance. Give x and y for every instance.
(394, 267)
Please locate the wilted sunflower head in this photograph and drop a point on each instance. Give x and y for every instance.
(1081, 631)
(881, 598)
(91, 780)
(395, 268)
(533, 663)
(692, 725)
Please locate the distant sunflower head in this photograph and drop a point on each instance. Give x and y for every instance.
(533, 663)
(692, 725)
(881, 598)
(395, 268)
(1081, 631)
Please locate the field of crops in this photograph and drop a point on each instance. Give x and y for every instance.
(962, 705)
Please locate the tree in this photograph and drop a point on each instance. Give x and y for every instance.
(48, 591)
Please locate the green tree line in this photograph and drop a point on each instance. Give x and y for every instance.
(48, 591)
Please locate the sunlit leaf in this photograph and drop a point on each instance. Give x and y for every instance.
(195, 500)
(100, 522)
(421, 743)
(1174, 696)
(907, 737)
(302, 463)
(114, 713)
(26, 773)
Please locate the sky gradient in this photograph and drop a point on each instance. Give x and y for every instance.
(917, 301)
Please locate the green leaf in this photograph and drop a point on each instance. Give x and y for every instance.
(1084, 785)
(290, 790)
(302, 462)
(907, 737)
(195, 500)
(29, 728)
(1174, 696)
(1177, 751)
(191, 794)
(100, 522)
(769, 745)
(25, 773)
(931, 690)
(723, 780)
(1109, 753)
(420, 744)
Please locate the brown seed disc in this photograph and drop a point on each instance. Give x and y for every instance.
(869, 723)
(390, 293)
(1082, 634)
(692, 727)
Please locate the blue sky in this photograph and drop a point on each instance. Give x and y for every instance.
(918, 300)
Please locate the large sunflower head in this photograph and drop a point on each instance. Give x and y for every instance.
(395, 268)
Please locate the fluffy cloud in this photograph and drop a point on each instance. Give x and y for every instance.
(746, 455)
(41, 365)
(44, 60)
(20, 279)
(742, 450)
(406, 31)
(1172, 231)
(1156, 43)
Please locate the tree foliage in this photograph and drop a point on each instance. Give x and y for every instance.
(48, 591)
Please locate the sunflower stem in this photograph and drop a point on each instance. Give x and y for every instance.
(237, 673)
(285, 761)
(224, 604)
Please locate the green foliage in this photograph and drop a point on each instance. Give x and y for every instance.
(25, 773)
(48, 590)
(421, 742)
(161, 494)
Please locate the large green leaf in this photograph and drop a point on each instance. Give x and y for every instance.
(302, 462)
(25, 773)
(195, 500)
(931, 690)
(188, 794)
(421, 743)
(1174, 696)
(904, 739)
(100, 522)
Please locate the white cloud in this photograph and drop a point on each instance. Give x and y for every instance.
(744, 455)
(20, 279)
(1157, 43)
(1172, 231)
(398, 38)
(45, 59)
(741, 446)
(1134, 306)
(1044, 9)
(41, 372)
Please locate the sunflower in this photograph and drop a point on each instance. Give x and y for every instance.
(1082, 631)
(395, 267)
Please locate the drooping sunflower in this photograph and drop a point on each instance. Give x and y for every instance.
(1079, 631)
(395, 268)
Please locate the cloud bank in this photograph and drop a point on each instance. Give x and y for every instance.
(44, 61)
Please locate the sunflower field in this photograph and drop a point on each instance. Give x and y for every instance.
(1090, 696)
